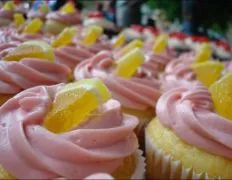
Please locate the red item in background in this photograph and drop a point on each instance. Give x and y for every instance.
(223, 44)
(96, 14)
(178, 35)
(137, 27)
(200, 39)
(152, 30)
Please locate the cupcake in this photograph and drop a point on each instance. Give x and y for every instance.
(6, 13)
(221, 50)
(133, 32)
(92, 39)
(178, 72)
(72, 55)
(150, 33)
(104, 142)
(177, 42)
(137, 95)
(21, 69)
(65, 17)
(193, 42)
(41, 12)
(97, 18)
(188, 139)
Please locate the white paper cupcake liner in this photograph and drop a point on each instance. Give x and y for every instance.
(161, 166)
(140, 169)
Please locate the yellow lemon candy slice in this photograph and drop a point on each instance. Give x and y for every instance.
(34, 48)
(68, 8)
(91, 35)
(160, 43)
(44, 8)
(133, 44)
(33, 27)
(4, 174)
(18, 19)
(119, 41)
(128, 64)
(65, 37)
(74, 103)
(221, 92)
(204, 53)
(9, 6)
(208, 72)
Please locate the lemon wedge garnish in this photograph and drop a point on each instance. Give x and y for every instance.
(160, 43)
(128, 64)
(34, 48)
(91, 34)
(203, 53)
(9, 6)
(133, 44)
(65, 37)
(68, 8)
(119, 41)
(208, 72)
(33, 27)
(18, 19)
(74, 103)
(221, 92)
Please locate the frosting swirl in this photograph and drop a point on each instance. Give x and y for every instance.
(134, 93)
(71, 55)
(6, 14)
(69, 19)
(37, 14)
(178, 72)
(29, 72)
(28, 150)
(188, 111)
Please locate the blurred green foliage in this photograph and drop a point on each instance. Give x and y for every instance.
(171, 7)
(213, 14)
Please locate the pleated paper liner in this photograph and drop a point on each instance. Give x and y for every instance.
(161, 166)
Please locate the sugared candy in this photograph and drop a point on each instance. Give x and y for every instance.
(74, 103)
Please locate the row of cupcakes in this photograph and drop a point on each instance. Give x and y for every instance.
(77, 129)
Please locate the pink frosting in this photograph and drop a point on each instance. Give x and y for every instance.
(134, 93)
(188, 111)
(28, 150)
(155, 63)
(37, 14)
(69, 19)
(13, 35)
(6, 14)
(5, 48)
(29, 72)
(178, 72)
(101, 44)
(71, 55)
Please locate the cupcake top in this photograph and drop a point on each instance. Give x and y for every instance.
(222, 50)
(72, 55)
(98, 145)
(177, 41)
(135, 93)
(29, 72)
(97, 18)
(178, 72)
(41, 12)
(188, 111)
(27, 65)
(133, 32)
(69, 19)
